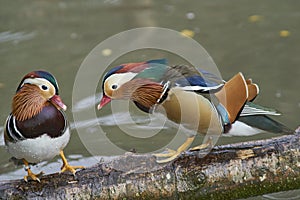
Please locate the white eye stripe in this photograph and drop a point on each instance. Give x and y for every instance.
(119, 79)
(39, 82)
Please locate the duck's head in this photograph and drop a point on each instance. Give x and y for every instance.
(113, 87)
(123, 82)
(36, 89)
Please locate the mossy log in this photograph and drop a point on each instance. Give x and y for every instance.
(227, 172)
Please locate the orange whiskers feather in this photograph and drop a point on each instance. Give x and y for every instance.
(27, 102)
(142, 91)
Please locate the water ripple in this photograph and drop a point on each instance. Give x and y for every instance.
(8, 36)
(1, 136)
(117, 119)
(50, 167)
(87, 102)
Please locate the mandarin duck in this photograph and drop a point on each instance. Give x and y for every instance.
(197, 99)
(37, 128)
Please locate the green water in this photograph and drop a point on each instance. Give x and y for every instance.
(58, 35)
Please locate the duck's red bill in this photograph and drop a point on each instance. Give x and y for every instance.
(105, 100)
(56, 100)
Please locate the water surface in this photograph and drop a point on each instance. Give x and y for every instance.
(56, 36)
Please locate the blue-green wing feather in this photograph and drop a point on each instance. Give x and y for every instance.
(184, 76)
(154, 72)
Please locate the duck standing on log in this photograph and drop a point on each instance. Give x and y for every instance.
(37, 128)
(197, 99)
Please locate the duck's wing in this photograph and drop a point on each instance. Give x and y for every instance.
(191, 79)
(183, 76)
(265, 123)
(251, 109)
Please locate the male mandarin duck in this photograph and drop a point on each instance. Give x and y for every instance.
(37, 128)
(197, 99)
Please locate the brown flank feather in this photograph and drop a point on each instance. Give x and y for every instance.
(27, 102)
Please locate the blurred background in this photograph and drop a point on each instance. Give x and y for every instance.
(259, 38)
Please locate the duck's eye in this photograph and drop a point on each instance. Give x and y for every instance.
(44, 87)
(114, 86)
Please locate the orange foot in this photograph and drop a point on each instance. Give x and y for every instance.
(172, 154)
(30, 174)
(66, 166)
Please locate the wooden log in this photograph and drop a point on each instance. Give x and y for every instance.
(227, 172)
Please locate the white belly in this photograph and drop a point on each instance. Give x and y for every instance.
(39, 149)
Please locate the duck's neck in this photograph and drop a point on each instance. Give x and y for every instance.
(27, 103)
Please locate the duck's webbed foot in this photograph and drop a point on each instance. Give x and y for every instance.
(30, 174)
(66, 166)
(172, 154)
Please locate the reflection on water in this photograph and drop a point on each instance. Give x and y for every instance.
(86, 103)
(1, 136)
(259, 38)
(288, 195)
(50, 167)
(119, 119)
(15, 37)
